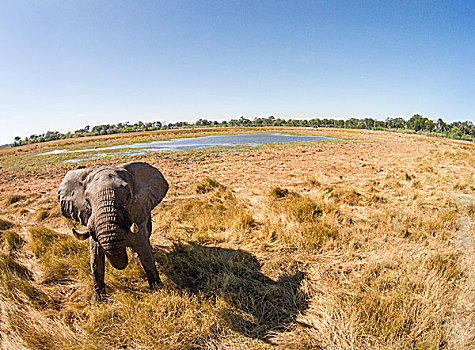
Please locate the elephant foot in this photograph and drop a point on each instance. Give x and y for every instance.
(98, 296)
(155, 282)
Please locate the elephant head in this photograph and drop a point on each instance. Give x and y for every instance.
(114, 203)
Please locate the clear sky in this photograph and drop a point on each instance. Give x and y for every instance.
(66, 64)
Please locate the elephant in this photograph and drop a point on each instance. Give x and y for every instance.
(115, 204)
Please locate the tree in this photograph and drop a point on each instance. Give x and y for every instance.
(203, 122)
(429, 125)
(244, 121)
(417, 122)
(441, 125)
(395, 123)
(369, 123)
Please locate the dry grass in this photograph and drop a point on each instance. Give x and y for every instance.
(12, 199)
(299, 223)
(208, 185)
(215, 216)
(361, 244)
(5, 224)
(62, 257)
(12, 240)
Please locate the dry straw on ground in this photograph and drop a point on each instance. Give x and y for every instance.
(362, 243)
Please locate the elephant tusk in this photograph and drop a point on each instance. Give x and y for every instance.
(134, 228)
(79, 235)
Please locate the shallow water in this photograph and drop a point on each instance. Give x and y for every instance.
(195, 143)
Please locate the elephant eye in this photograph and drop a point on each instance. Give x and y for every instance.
(72, 193)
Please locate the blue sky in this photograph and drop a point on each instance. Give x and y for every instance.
(67, 64)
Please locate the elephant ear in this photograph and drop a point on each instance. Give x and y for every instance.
(72, 198)
(149, 187)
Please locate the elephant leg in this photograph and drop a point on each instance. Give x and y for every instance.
(141, 245)
(149, 226)
(97, 261)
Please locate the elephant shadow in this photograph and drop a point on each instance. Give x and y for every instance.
(258, 305)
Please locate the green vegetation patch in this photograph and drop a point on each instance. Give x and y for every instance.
(417, 123)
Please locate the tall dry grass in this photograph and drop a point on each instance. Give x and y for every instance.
(342, 261)
(213, 214)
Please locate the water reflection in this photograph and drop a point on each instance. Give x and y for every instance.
(194, 143)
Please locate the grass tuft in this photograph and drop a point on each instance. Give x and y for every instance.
(312, 182)
(345, 195)
(5, 225)
(278, 192)
(13, 198)
(255, 304)
(63, 258)
(215, 217)
(388, 303)
(16, 284)
(471, 209)
(208, 185)
(13, 240)
(446, 265)
(47, 212)
(8, 265)
(300, 222)
(167, 320)
(42, 214)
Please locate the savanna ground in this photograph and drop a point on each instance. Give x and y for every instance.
(365, 242)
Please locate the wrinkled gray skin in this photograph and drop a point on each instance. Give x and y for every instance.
(113, 202)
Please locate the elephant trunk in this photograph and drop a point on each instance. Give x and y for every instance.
(109, 232)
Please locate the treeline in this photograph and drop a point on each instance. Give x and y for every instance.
(416, 124)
